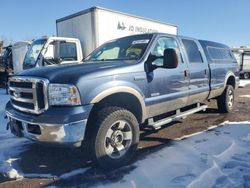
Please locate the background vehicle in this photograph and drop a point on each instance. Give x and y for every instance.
(19, 50)
(51, 51)
(243, 58)
(97, 25)
(147, 79)
(6, 65)
(12, 60)
(82, 32)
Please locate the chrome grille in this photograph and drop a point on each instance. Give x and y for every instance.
(29, 94)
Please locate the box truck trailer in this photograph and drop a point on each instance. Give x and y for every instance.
(80, 33)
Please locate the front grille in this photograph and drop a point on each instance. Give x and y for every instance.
(29, 94)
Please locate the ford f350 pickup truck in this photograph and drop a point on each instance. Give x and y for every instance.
(139, 80)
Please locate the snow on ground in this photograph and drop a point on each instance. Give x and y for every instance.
(217, 158)
(243, 83)
(9, 145)
(247, 96)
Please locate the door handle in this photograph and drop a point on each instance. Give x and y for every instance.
(206, 73)
(185, 73)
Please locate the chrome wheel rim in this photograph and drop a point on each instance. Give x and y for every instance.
(230, 98)
(118, 139)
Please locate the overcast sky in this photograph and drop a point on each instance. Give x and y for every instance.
(224, 21)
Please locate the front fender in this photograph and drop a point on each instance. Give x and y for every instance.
(104, 90)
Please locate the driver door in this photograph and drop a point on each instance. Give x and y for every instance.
(167, 88)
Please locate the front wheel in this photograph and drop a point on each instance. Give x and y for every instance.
(114, 137)
(225, 102)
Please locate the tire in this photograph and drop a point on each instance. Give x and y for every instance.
(226, 100)
(113, 137)
(246, 75)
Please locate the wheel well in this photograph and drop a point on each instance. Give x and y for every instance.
(231, 81)
(123, 100)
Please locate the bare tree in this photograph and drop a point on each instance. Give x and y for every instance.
(6, 40)
(1, 46)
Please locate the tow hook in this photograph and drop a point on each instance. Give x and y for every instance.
(8, 126)
(14, 128)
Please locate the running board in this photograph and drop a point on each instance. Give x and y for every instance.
(179, 115)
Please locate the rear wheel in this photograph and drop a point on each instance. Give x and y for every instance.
(246, 75)
(114, 137)
(226, 101)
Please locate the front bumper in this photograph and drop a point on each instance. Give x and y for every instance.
(58, 125)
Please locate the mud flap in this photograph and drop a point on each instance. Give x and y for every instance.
(15, 128)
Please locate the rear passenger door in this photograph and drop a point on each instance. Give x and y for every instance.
(198, 71)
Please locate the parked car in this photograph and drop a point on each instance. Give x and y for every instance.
(139, 80)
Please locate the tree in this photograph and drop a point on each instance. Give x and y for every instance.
(6, 40)
(1, 46)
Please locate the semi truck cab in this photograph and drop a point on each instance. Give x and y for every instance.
(51, 51)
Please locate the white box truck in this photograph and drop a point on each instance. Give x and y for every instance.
(92, 27)
(97, 25)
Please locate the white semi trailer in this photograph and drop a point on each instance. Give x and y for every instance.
(80, 33)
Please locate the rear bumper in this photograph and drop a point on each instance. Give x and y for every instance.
(60, 126)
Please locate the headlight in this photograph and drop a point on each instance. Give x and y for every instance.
(63, 94)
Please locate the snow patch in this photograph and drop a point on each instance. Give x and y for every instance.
(245, 96)
(216, 158)
(243, 83)
(73, 173)
(10, 145)
(34, 175)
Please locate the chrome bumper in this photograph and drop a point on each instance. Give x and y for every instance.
(70, 134)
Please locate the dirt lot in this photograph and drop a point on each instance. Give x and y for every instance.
(57, 161)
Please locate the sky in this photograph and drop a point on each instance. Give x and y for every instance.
(223, 21)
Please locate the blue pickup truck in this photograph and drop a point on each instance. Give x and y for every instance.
(139, 80)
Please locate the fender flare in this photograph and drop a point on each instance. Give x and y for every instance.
(122, 89)
(229, 74)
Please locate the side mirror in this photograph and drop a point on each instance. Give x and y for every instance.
(170, 58)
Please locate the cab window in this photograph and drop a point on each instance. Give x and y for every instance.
(164, 43)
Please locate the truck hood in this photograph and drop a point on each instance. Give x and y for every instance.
(72, 73)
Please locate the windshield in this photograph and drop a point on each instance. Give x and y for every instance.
(127, 48)
(33, 52)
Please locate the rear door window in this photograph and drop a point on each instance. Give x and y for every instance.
(193, 52)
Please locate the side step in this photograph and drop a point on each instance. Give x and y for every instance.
(179, 115)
